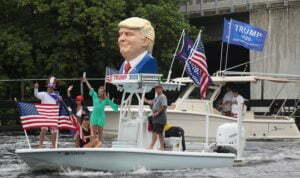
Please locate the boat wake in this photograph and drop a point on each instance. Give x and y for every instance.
(137, 172)
(141, 171)
(267, 159)
(84, 173)
(13, 169)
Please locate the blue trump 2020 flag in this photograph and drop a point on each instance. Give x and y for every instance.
(243, 34)
(186, 46)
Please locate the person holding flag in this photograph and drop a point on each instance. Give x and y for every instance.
(49, 97)
(79, 110)
(51, 113)
(78, 107)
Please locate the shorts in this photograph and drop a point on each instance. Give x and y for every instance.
(235, 115)
(52, 129)
(82, 143)
(158, 128)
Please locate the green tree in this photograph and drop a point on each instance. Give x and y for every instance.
(39, 38)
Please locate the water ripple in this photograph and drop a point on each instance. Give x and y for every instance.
(261, 159)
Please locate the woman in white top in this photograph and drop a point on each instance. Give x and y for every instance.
(227, 102)
(78, 108)
(237, 104)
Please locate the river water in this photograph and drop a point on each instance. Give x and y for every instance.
(274, 159)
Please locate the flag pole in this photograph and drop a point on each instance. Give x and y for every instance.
(221, 55)
(230, 22)
(207, 124)
(193, 48)
(174, 55)
(240, 136)
(81, 83)
(27, 139)
(57, 134)
(105, 77)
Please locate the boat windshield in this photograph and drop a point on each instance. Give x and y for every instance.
(195, 94)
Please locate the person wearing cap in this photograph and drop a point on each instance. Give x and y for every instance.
(49, 97)
(78, 108)
(136, 40)
(158, 119)
(98, 117)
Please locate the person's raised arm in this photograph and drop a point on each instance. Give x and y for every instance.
(69, 91)
(87, 83)
(70, 102)
(36, 91)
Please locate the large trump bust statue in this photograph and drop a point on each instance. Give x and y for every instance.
(136, 40)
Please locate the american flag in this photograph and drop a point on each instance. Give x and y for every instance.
(68, 120)
(108, 74)
(197, 68)
(38, 115)
(46, 115)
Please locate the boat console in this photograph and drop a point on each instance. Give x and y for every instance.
(132, 131)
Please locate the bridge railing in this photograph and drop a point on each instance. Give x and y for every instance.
(196, 6)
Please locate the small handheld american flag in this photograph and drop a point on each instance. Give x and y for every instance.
(109, 72)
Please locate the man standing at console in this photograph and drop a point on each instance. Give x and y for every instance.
(159, 117)
(136, 40)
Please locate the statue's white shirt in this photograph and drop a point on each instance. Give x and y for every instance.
(134, 62)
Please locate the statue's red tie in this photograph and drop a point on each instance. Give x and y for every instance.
(127, 68)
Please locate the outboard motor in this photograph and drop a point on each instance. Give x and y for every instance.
(227, 138)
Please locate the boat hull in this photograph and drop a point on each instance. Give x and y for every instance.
(194, 125)
(121, 159)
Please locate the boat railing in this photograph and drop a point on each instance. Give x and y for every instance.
(194, 105)
(281, 89)
(277, 117)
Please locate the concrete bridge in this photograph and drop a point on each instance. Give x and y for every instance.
(280, 18)
(218, 7)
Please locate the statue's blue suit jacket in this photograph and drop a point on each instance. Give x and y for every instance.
(147, 65)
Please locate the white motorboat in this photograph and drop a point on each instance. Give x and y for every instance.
(190, 113)
(128, 151)
(121, 159)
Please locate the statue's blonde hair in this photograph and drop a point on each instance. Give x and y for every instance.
(144, 26)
